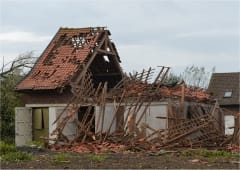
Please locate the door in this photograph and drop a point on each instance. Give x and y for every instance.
(23, 126)
(40, 119)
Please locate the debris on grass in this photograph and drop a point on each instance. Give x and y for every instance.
(201, 127)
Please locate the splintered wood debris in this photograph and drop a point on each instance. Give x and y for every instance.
(201, 128)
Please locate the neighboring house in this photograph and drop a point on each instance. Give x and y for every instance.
(224, 87)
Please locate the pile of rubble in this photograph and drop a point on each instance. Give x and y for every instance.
(201, 127)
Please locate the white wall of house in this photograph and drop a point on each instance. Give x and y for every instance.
(154, 110)
(70, 130)
(108, 117)
(150, 118)
(23, 125)
(23, 122)
(229, 124)
(52, 118)
(157, 110)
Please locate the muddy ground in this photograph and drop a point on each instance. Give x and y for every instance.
(45, 159)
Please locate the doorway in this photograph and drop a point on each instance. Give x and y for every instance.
(40, 119)
(87, 118)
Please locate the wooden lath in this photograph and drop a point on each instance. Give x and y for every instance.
(179, 129)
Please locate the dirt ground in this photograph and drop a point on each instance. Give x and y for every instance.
(45, 159)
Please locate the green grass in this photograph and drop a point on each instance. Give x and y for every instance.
(8, 152)
(210, 153)
(6, 148)
(16, 156)
(99, 157)
(61, 158)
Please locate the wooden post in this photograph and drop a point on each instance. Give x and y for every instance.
(114, 117)
(182, 99)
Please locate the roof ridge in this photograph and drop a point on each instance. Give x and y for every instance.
(83, 28)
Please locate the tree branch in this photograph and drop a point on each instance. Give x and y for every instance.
(23, 61)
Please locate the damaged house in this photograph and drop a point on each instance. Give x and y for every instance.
(46, 89)
(78, 92)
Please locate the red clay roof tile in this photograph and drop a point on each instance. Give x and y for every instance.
(61, 58)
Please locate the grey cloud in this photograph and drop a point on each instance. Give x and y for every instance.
(169, 28)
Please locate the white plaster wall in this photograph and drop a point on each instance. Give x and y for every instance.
(70, 130)
(52, 118)
(97, 116)
(108, 117)
(159, 109)
(154, 110)
(229, 122)
(23, 126)
(139, 113)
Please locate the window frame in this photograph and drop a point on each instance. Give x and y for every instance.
(227, 93)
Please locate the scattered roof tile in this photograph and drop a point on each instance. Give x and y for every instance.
(191, 94)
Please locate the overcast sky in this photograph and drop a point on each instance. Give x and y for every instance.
(146, 32)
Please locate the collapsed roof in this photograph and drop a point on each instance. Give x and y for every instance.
(177, 91)
(71, 50)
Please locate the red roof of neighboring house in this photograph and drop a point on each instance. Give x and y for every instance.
(69, 48)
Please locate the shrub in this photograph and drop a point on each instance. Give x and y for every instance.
(6, 148)
(10, 153)
(9, 100)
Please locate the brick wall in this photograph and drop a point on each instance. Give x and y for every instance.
(46, 97)
(233, 108)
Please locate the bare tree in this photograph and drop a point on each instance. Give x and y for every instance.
(23, 63)
(172, 78)
(197, 76)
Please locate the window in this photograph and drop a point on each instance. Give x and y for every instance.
(228, 93)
